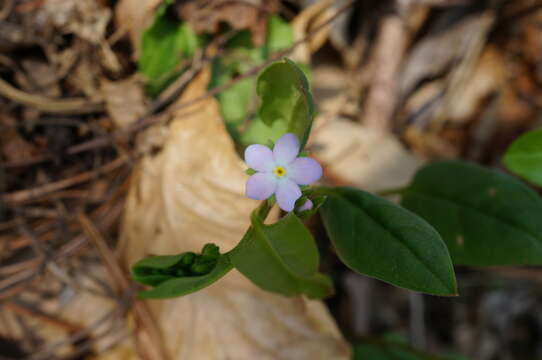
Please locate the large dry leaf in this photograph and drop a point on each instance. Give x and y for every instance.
(364, 157)
(190, 194)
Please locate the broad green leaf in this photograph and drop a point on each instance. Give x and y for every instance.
(524, 157)
(188, 284)
(286, 98)
(163, 46)
(485, 217)
(375, 237)
(281, 258)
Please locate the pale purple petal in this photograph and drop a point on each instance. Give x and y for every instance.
(259, 157)
(304, 171)
(260, 186)
(306, 206)
(286, 149)
(287, 194)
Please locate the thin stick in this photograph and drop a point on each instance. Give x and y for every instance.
(141, 312)
(50, 105)
(21, 196)
(26, 311)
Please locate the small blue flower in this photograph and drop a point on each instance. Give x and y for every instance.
(280, 171)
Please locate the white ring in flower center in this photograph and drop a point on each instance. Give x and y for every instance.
(279, 171)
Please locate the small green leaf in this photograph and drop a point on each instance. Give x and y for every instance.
(485, 217)
(185, 285)
(375, 237)
(524, 157)
(163, 46)
(286, 98)
(281, 258)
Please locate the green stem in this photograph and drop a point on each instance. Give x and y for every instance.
(261, 211)
(394, 191)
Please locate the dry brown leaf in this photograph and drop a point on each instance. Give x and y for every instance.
(363, 157)
(133, 17)
(12, 146)
(124, 100)
(84, 18)
(487, 78)
(444, 43)
(189, 194)
(310, 18)
(207, 16)
(75, 310)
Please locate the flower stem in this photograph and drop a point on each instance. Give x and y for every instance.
(394, 191)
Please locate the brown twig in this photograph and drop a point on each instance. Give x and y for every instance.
(22, 196)
(141, 312)
(382, 97)
(50, 105)
(40, 315)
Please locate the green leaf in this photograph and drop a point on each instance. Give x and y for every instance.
(375, 237)
(259, 133)
(188, 284)
(280, 35)
(163, 46)
(524, 157)
(384, 349)
(286, 98)
(156, 269)
(176, 275)
(281, 258)
(485, 217)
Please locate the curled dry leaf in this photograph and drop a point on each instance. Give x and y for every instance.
(84, 18)
(310, 18)
(445, 42)
(189, 194)
(206, 16)
(124, 100)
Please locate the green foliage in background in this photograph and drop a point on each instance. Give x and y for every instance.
(165, 45)
(524, 157)
(486, 217)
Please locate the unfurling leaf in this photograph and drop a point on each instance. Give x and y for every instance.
(177, 275)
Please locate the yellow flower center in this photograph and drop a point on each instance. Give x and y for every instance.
(279, 171)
